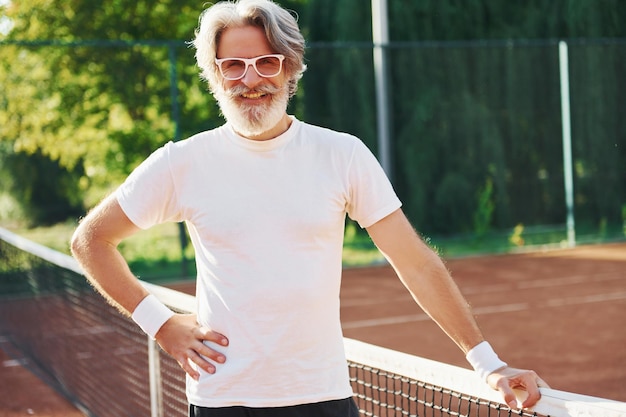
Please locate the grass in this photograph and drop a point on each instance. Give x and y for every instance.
(155, 254)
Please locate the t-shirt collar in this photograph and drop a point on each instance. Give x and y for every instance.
(264, 145)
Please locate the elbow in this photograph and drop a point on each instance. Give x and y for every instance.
(76, 244)
(79, 242)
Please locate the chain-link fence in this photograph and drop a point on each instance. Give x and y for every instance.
(476, 127)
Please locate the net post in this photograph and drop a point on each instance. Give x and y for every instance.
(154, 374)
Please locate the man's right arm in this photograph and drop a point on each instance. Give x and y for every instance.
(95, 247)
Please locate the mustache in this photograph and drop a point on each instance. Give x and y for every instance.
(238, 90)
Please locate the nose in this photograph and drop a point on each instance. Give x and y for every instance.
(250, 78)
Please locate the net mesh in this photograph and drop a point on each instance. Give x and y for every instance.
(381, 393)
(101, 360)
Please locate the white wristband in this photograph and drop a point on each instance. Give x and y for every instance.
(484, 360)
(150, 314)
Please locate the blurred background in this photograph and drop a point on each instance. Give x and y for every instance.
(90, 89)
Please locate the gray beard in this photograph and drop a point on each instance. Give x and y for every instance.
(254, 119)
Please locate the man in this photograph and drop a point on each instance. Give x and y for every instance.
(264, 198)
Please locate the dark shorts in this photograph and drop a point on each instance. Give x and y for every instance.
(335, 408)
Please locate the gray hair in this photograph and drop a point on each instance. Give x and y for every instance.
(279, 25)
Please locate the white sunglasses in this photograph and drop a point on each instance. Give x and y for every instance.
(265, 65)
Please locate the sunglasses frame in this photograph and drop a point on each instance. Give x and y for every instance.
(250, 62)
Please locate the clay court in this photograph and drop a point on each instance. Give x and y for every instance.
(561, 312)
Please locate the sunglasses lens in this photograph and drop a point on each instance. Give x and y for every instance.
(268, 66)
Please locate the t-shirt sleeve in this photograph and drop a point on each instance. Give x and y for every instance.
(371, 195)
(148, 195)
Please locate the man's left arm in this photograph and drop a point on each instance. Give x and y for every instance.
(424, 274)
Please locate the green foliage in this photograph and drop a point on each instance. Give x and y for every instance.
(46, 192)
(516, 235)
(98, 110)
(438, 20)
(454, 204)
(466, 111)
(483, 215)
(339, 82)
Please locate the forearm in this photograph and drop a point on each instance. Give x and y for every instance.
(427, 279)
(429, 282)
(448, 308)
(432, 287)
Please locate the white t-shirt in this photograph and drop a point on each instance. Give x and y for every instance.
(266, 219)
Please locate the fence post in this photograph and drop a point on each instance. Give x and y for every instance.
(154, 374)
(175, 114)
(567, 143)
(380, 37)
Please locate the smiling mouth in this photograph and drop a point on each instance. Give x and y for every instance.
(252, 95)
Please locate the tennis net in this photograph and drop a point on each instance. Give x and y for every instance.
(105, 365)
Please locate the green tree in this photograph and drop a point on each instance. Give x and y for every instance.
(95, 100)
